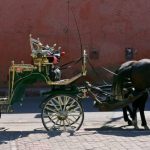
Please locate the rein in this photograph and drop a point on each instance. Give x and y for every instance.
(74, 62)
(109, 71)
(96, 73)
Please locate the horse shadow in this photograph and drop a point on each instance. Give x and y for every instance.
(119, 131)
(123, 130)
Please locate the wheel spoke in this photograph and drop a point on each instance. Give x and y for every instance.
(55, 124)
(47, 108)
(72, 115)
(71, 104)
(75, 117)
(66, 100)
(73, 111)
(50, 115)
(55, 117)
(59, 102)
(58, 109)
(64, 125)
(68, 122)
(71, 119)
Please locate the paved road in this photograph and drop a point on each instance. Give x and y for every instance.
(100, 131)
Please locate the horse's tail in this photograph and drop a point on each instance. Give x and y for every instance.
(118, 82)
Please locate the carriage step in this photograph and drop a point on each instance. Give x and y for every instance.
(4, 105)
(3, 100)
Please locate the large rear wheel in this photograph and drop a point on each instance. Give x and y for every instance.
(62, 113)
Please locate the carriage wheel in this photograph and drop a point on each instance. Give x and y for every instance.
(62, 113)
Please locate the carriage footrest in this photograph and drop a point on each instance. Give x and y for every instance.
(3, 100)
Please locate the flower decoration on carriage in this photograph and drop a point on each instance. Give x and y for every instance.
(40, 52)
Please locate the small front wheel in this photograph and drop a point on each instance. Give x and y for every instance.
(62, 113)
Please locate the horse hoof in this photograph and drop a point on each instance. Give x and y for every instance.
(146, 127)
(135, 124)
(136, 127)
(130, 123)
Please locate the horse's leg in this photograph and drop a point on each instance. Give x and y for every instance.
(141, 105)
(142, 114)
(134, 119)
(125, 115)
(130, 111)
(141, 108)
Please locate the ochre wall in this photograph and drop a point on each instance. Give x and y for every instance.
(106, 27)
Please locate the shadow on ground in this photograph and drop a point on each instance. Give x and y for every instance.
(125, 130)
(106, 129)
(7, 136)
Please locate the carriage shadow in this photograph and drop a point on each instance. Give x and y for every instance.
(8, 136)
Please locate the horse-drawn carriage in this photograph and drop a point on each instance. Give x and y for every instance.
(62, 109)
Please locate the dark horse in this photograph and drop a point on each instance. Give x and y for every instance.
(133, 77)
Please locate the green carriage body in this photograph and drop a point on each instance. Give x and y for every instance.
(23, 75)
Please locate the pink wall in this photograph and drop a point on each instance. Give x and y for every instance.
(107, 27)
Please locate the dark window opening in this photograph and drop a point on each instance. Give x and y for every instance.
(94, 54)
(129, 53)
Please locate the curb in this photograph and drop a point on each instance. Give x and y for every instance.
(30, 92)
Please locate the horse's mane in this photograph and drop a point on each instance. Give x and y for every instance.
(125, 72)
(126, 65)
(122, 72)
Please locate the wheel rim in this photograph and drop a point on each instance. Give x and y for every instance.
(62, 113)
